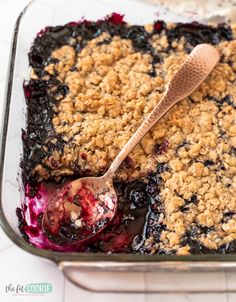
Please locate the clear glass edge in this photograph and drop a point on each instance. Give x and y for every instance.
(58, 257)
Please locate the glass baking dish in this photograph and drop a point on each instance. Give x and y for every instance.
(110, 269)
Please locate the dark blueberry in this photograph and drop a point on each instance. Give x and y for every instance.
(106, 41)
(206, 34)
(53, 61)
(162, 167)
(154, 227)
(228, 248)
(35, 59)
(36, 89)
(137, 242)
(228, 100)
(205, 230)
(181, 145)
(190, 238)
(61, 34)
(193, 232)
(37, 154)
(192, 101)
(139, 198)
(19, 214)
(162, 148)
(165, 252)
(152, 73)
(159, 26)
(128, 161)
(102, 223)
(116, 18)
(162, 252)
(185, 207)
(155, 230)
(215, 39)
(69, 231)
(63, 237)
(196, 247)
(151, 176)
(75, 168)
(31, 192)
(225, 32)
(155, 208)
(222, 167)
(155, 59)
(227, 216)
(64, 123)
(78, 47)
(152, 189)
(185, 240)
(154, 179)
(63, 89)
(139, 37)
(124, 190)
(90, 30)
(233, 151)
(74, 68)
(208, 163)
(193, 198)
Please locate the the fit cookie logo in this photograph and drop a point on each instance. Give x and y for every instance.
(29, 289)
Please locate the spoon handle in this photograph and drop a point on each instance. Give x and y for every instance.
(162, 107)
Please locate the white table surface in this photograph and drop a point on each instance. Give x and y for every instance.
(19, 267)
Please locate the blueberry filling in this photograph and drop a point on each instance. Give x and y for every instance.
(208, 163)
(196, 33)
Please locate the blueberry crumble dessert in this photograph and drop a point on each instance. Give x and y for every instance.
(91, 86)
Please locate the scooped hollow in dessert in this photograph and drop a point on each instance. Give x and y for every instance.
(91, 86)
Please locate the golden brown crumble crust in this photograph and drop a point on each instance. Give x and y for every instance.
(111, 92)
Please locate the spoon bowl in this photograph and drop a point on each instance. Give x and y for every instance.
(84, 207)
(80, 210)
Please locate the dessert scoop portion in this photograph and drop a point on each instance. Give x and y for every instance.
(92, 200)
